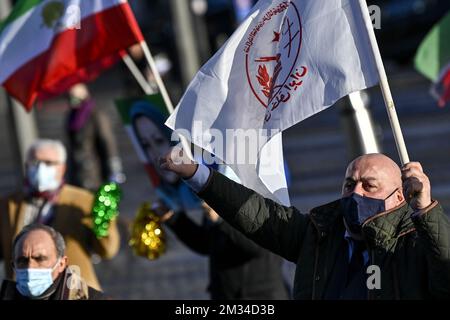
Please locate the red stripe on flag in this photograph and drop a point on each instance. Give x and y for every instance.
(76, 55)
(154, 176)
(81, 75)
(444, 85)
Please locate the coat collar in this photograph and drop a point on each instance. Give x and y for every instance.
(385, 227)
(380, 229)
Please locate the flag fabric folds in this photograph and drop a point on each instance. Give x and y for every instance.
(46, 46)
(433, 59)
(287, 61)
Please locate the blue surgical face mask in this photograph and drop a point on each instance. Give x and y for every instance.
(42, 177)
(358, 209)
(33, 282)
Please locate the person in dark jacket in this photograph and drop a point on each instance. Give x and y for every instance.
(386, 238)
(93, 156)
(238, 268)
(41, 269)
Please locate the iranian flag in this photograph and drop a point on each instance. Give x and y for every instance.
(433, 59)
(47, 46)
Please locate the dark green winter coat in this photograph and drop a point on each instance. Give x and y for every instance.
(412, 250)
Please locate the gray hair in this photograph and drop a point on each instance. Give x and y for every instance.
(43, 143)
(57, 238)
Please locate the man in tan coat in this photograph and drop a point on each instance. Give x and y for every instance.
(48, 200)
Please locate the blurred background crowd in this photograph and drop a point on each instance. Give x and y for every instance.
(310, 147)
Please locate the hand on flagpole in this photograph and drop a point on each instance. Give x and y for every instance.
(416, 186)
(177, 161)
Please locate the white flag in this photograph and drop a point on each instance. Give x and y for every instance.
(287, 61)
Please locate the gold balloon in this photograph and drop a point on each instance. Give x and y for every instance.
(147, 235)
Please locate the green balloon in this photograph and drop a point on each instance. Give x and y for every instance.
(105, 208)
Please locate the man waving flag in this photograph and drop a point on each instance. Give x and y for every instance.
(287, 61)
(46, 46)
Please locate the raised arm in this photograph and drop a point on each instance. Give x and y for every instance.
(273, 226)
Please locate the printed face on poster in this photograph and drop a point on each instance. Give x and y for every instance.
(144, 119)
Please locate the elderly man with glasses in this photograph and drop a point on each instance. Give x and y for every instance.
(47, 200)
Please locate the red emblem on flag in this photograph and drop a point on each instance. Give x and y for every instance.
(272, 51)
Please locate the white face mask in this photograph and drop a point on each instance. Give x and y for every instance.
(42, 177)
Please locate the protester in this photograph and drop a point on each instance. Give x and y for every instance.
(46, 199)
(93, 152)
(385, 219)
(41, 269)
(238, 268)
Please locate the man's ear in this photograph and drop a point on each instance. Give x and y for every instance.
(60, 267)
(63, 262)
(61, 171)
(64, 168)
(399, 195)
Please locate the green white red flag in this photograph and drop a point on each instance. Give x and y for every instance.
(433, 59)
(46, 46)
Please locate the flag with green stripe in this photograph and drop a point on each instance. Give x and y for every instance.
(433, 59)
(46, 46)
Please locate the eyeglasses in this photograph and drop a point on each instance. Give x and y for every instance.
(36, 162)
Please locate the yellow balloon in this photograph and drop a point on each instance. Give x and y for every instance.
(147, 235)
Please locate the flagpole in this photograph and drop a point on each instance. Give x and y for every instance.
(137, 74)
(384, 85)
(162, 89)
(159, 82)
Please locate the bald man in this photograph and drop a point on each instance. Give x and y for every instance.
(385, 238)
